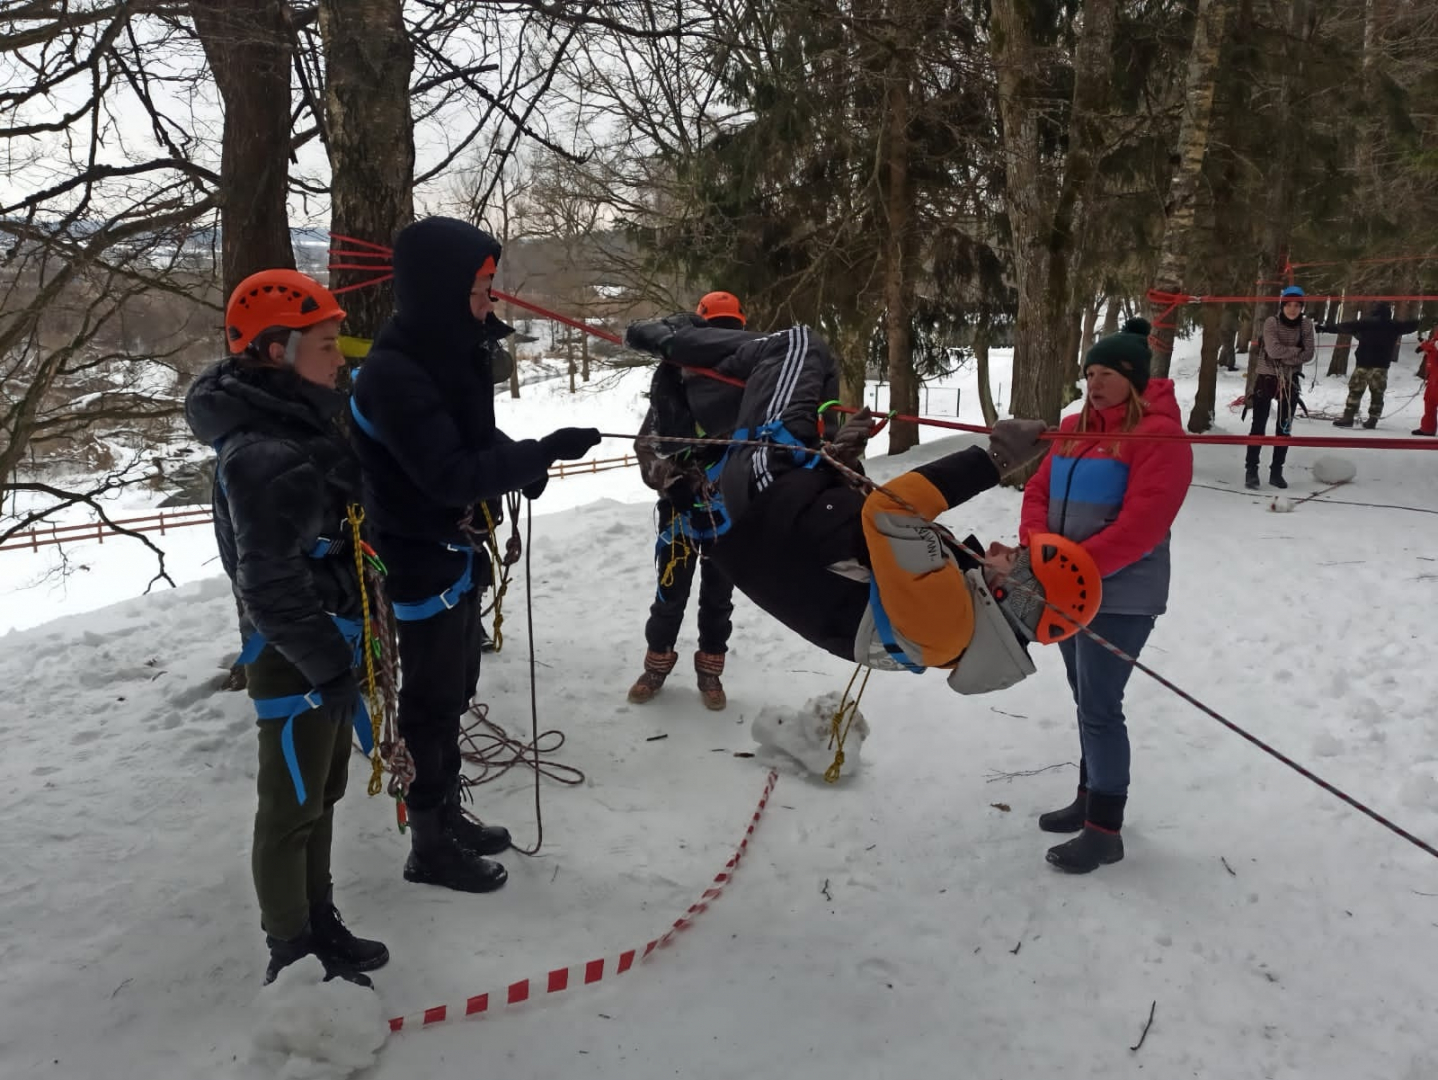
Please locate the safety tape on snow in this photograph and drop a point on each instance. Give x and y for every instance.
(565, 978)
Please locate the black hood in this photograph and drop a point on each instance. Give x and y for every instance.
(230, 395)
(1382, 311)
(435, 263)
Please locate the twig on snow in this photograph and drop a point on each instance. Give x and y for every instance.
(1227, 867)
(825, 890)
(1146, 1026)
(1027, 772)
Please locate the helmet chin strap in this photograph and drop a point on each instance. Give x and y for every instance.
(292, 347)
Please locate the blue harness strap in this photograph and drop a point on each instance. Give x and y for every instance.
(885, 630)
(291, 707)
(426, 609)
(776, 430)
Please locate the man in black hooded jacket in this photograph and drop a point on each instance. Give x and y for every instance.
(433, 459)
(1377, 346)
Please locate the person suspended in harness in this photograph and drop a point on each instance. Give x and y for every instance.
(869, 577)
(1287, 345)
(435, 467)
(689, 516)
(284, 479)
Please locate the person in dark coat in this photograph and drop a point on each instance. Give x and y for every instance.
(1378, 337)
(435, 469)
(865, 576)
(1288, 344)
(283, 481)
(687, 521)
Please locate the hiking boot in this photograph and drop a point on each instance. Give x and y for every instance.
(1069, 819)
(1250, 478)
(709, 666)
(284, 952)
(1275, 477)
(469, 833)
(486, 643)
(1428, 434)
(436, 857)
(657, 666)
(1346, 420)
(336, 946)
(1371, 423)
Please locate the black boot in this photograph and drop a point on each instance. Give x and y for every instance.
(1346, 420)
(284, 952)
(337, 947)
(1371, 423)
(436, 858)
(1275, 477)
(1070, 818)
(1250, 478)
(474, 836)
(1100, 843)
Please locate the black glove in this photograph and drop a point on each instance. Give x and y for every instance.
(536, 489)
(569, 443)
(653, 335)
(1015, 443)
(340, 698)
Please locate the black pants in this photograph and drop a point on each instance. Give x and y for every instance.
(677, 556)
(1268, 390)
(439, 665)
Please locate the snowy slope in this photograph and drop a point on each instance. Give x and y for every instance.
(132, 947)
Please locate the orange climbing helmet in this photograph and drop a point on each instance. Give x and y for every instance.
(273, 299)
(1071, 584)
(721, 305)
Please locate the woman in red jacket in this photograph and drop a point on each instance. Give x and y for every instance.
(1118, 499)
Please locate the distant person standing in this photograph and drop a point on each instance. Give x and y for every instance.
(1377, 342)
(1429, 349)
(1288, 344)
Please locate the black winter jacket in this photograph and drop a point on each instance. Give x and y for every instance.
(427, 387)
(284, 477)
(1377, 336)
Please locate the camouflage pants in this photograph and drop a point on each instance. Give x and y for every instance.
(1372, 379)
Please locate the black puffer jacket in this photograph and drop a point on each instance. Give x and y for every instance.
(283, 480)
(1377, 336)
(427, 388)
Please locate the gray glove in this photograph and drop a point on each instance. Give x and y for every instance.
(1015, 443)
(848, 445)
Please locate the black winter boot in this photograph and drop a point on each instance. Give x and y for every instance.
(1070, 818)
(1346, 420)
(1100, 843)
(1371, 423)
(284, 952)
(474, 836)
(1250, 478)
(1275, 477)
(436, 857)
(336, 946)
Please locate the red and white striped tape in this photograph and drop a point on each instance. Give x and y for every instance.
(561, 979)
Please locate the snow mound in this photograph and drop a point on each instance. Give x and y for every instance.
(804, 735)
(309, 1029)
(1332, 469)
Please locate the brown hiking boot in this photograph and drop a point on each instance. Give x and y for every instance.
(709, 666)
(657, 666)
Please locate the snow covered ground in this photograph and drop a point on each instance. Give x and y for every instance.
(900, 922)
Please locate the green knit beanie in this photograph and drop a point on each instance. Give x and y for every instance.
(1126, 352)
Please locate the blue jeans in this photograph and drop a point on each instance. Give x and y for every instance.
(1097, 678)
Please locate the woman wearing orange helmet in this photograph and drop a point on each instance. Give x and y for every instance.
(284, 477)
(1120, 500)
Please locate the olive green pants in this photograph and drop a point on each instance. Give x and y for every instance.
(291, 855)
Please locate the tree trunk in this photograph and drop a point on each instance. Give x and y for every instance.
(1110, 315)
(1200, 81)
(1041, 201)
(1245, 334)
(514, 376)
(247, 44)
(1090, 322)
(368, 61)
(584, 357)
(1205, 404)
(1338, 362)
(983, 334)
(903, 381)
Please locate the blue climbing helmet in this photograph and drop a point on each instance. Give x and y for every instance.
(1292, 292)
